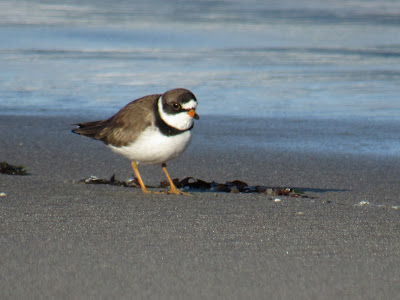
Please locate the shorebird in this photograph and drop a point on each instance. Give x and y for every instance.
(150, 130)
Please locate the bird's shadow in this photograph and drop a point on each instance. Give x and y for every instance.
(319, 190)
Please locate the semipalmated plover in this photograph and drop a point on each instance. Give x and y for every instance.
(150, 130)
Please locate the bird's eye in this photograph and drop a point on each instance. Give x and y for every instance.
(176, 106)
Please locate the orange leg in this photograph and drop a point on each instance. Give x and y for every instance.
(136, 170)
(173, 189)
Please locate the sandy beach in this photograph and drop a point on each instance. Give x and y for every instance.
(64, 239)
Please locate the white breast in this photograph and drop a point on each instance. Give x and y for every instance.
(152, 147)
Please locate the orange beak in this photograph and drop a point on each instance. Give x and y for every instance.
(193, 114)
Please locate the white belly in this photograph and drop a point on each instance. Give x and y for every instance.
(152, 147)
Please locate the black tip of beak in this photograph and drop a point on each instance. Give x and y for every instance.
(196, 116)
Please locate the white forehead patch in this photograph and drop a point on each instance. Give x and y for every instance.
(189, 105)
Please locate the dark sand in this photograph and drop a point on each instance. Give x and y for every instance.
(63, 239)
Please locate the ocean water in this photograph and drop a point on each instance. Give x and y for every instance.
(241, 58)
(248, 59)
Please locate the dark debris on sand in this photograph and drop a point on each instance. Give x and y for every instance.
(111, 181)
(190, 183)
(6, 168)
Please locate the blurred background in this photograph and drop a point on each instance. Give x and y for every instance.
(285, 58)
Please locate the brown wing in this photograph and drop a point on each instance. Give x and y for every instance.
(90, 129)
(125, 126)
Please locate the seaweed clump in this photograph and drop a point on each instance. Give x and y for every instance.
(234, 187)
(190, 183)
(112, 181)
(6, 168)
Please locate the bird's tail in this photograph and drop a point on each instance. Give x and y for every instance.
(90, 129)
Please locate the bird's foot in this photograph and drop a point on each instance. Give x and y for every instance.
(146, 191)
(178, 192)
(173, 191)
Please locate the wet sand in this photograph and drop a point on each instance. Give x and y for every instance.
(60, 238)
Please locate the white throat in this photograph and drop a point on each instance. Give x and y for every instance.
(181, 121)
